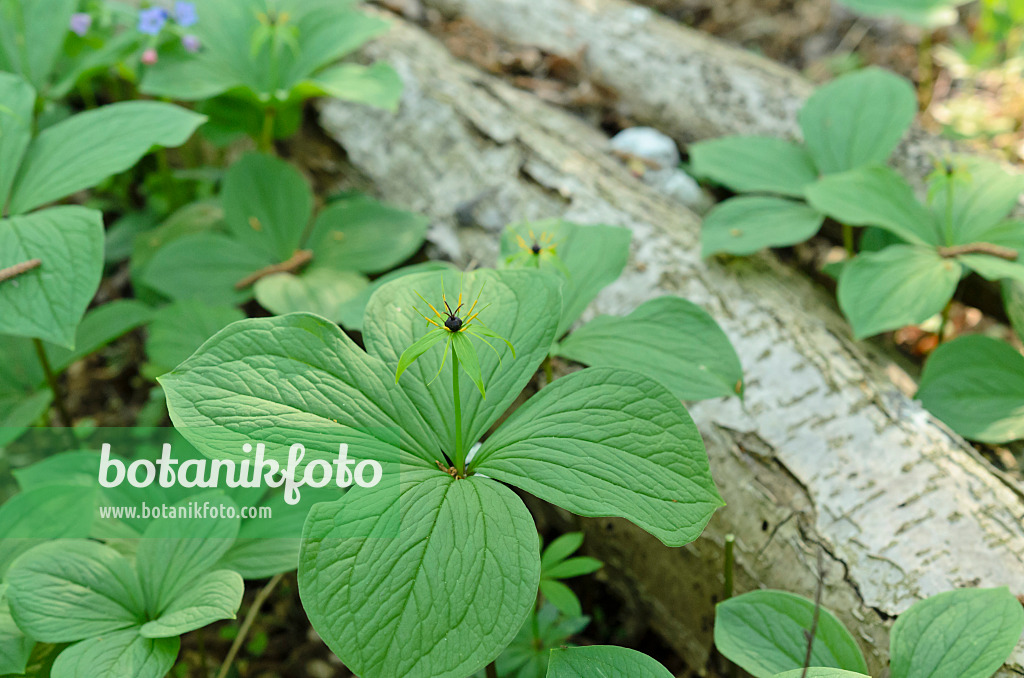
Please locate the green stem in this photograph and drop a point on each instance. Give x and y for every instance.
(51, 379)
(730, 560)
(549, 375)
(167, 178)
(949, 208)
(945, 320)
(492, 670)
(266, 140)
(243, 631)
(460, 453)
(925, 71)
(848, 240)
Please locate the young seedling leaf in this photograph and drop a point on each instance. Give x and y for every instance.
(560, 549)
(857, 119)
(561, 596)
(764, 633)
(975, 385)
(573, 567)
(747, 224)
(901, 285)
(603, 660)
(670, 340)
(755, 164)
(967, 633)
(645, 458)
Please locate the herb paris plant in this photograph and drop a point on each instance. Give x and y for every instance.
(600, 442)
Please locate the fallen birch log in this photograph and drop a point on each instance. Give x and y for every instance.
(823, 453)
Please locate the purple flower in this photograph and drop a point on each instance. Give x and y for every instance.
(81, 23)
(152, 20)
(185, 14)
(191, 43)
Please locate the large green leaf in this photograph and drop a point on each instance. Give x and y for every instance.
(15, 646)
(967, 633)
(116, 655)
(764, 633)
(818, 672)
(48, 302)
(592, 257)
(875, 196)
(857, 119)
(607, 442)
(361, 234)
(459, 578)
(983, 193)
(898, 286)
(267, 205)
(929, 14)
(670, 340)
(755, 164)
(975, 384)
(747, 224)
(69, 590)
(31, 36)
(352, 312)
(30, 517)
(377, 85)
(179, 329)
(606, 661)
(521, 306)
(253, 379)
(323, 291)
(87, 148)
(208, 598)
(16, 111)
(175, 552)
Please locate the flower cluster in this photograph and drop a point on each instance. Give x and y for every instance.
(153, 20)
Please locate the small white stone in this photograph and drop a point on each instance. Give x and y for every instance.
(649, 144)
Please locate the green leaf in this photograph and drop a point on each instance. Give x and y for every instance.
(606, 661)
(48, 302)
(170, 562)
(875, 196)
(267, 205)
(592, 257)
(967, 633)
(377, 85)
(560, 549)
(983, 195)
(929, 14)
(210, 597)
(745, 225)
(975, 384)
(574, 567)
(205, 267)
(645, 460)
(463, 347)
(69, 590)
(763, 632)
(323, 291)
(89, 147)
(561, 596)
(901, 285)
(857, 119)
(100, 327)
(669, 339)
(263, 367)
(361, 234)
(179, 329)
(15, 646)
(457, 540)
(116, 655)
(16, 121)
(814, 672)
(521, 306)
(351, 314)
(31, 36)
(755, 164)
(419, 347)
(28, 518)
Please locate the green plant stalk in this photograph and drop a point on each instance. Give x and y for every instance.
(848, 241)
(460, 453)
(945, 320)
(926, 85)
(549, 375)
(51, 379)
(250, 617)
(266, 140)
(949, 210)
(730, 560)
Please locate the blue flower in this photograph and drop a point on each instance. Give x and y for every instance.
(81, 23)
(152, 20)
(185, 14)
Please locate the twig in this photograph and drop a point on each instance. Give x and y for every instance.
(250, 617)
(979, 248)
(817, 611)
(294, 263)
(18, 269)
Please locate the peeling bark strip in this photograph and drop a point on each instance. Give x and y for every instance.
(823, 451)
(979, 248)
(294, 263)
(19, 269)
